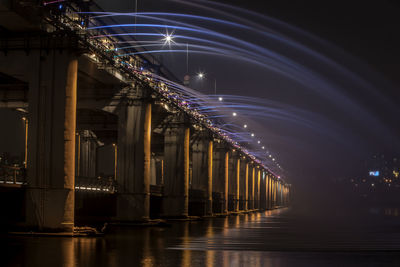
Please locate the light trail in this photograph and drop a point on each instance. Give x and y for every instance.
(217, 114)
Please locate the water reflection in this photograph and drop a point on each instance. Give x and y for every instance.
(272, 238)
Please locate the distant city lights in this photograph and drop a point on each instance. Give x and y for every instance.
(374, 173)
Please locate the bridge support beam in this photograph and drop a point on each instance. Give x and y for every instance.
(246, 187)
(176, 166)
(226, 181)
(202, 160)
(218, 174)
(86, 155)
(133, 159)
(258, 188)
(272, 192)
(252, 175)
(255, 188)
(269, 198)
(274, 203)
(242, 184)
(263, 191)
(51, 141)
(234, 179)
(209, 203)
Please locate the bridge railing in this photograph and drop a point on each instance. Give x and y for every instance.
(96, 184)
(14, 175)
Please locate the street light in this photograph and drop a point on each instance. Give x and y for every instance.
(115, 146)
(25, 120)
(168, 39)
(201, 75)
(220, 98)
(234, 114)
(245, 126)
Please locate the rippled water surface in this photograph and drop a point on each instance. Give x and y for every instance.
(274, 238)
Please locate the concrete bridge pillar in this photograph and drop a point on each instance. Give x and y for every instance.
(258, 187)
(202, 160)
(287, 195)
(263, 191)
(252, 174)
(176, 168)
(266, 190)
(234, 178)
(243, 184)
(284, 195)
(133, 158)
(274, 193)
(269, 188)
(51, 141)
(273, 202)
(237, 182)
(86, 154)
(218, 174)
(226, 181)
(246, 189)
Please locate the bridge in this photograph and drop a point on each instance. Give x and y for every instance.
(81, 100)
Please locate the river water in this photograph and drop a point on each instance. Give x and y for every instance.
(272, 238)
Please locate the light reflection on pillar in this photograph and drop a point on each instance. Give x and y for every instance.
(226, 226)
(210, 230)
(237, 221)
(235, 258)
(210, 252)
(68, 250)
(258, 259)
(186, 257)
(85, 248)
(246, 218)
(148, 258)
(226, 258)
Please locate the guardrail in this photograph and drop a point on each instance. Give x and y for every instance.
(96, 184)
(13, 175)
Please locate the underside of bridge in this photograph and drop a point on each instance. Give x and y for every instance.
(102, 147)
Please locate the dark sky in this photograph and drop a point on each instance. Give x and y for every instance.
(366, 29)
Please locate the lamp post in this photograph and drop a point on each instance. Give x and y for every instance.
(202, 75)
(115, 146)
(25, 120)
